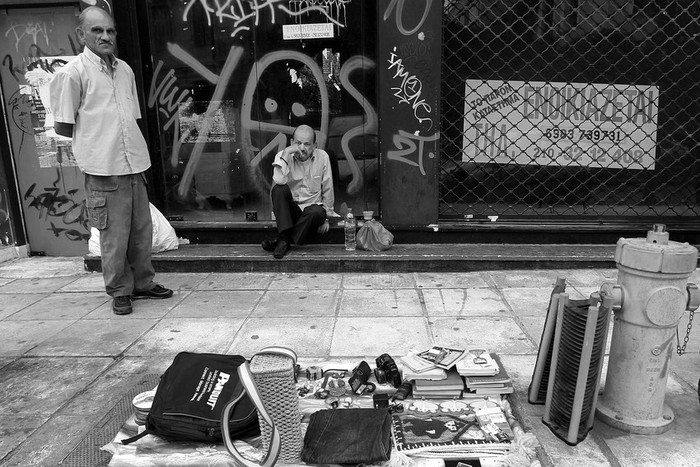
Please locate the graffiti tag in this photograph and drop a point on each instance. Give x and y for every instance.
(407, 143)
(53, 204)
(20, 31)
(410, 90)
(399, 4)
(241, 13)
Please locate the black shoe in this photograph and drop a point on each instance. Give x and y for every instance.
(122, 305)
(281, 250)
(270, 244)
(156, 292)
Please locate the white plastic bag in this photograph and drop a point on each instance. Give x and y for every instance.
(164, 237)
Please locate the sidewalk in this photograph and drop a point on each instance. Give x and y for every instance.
(66, 359)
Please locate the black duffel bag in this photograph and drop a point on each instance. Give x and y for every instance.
(191, 396)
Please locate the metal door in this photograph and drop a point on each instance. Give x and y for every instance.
(36, 42)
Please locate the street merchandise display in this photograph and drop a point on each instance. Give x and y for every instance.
(383, 426)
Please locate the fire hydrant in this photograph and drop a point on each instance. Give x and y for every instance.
(651, 296)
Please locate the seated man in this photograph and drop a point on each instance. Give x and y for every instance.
(302, 192)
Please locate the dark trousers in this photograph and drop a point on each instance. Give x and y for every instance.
(300, 225)
(118, 208)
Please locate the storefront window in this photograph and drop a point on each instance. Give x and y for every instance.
(230, 84)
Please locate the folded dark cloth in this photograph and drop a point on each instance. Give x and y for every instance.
(348, 436)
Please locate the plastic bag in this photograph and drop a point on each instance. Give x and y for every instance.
(164, 237)
(373, 236)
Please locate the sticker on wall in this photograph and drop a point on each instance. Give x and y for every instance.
(307, 31)
(222, 127)
(53, 150)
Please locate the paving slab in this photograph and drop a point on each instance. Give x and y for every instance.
(11, 303)
(450, 280)
(96, 337)
(27, 390)
(356, 336)
(110, 385)
(309, 303)
(528, 301)
(91, 282)
(62, 306)
(308, 281)
(181, 282)
(233, 281)
(392, 302)
(588, 277)
(41, 267)
(308, 338)
(502, 333)
(378, 281)
(50, 443)
(170, 336)
(19, 337)
(36, 285)
(15, 429)
(142, 308)
(524, 278)
(217, 304)
(463, 302)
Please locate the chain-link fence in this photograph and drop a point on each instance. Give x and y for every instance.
(586, 109)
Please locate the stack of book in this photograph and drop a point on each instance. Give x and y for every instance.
(450, 387)
(486, 377)
(432, 372)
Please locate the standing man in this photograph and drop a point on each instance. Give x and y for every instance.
(302, 192)
(94, 101)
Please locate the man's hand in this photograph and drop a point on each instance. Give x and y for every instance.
(325, 227)
(289, 152)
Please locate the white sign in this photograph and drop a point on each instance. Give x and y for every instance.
(563, 124)
(307, 31)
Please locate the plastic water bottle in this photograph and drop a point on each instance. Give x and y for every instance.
(350, 243)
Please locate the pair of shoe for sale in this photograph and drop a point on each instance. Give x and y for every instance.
(277, 246)
(121, 305)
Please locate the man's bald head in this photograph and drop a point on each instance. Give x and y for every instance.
(305, 130)
(91, 12)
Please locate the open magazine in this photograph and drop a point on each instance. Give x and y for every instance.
(442, 357)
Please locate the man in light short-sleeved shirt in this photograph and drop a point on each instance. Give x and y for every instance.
(94, 101)
(302, 192)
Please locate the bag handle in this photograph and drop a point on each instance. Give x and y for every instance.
(278, 349)
(275, 447)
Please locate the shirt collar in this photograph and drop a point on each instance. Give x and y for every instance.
(93, 57)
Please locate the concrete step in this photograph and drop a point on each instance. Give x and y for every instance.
(329, 258)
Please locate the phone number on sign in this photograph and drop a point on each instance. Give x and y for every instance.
(594, 154)
(556, 133)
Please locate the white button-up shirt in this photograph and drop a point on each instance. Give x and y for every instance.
(310, 181)
(104, 108)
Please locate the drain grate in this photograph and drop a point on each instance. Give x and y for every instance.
(88, 453)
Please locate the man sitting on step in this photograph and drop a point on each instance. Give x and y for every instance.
(302, 192)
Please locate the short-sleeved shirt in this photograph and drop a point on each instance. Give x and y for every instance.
(104, 109)
(310, 181)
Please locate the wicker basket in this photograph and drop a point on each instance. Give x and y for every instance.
(274, 376)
